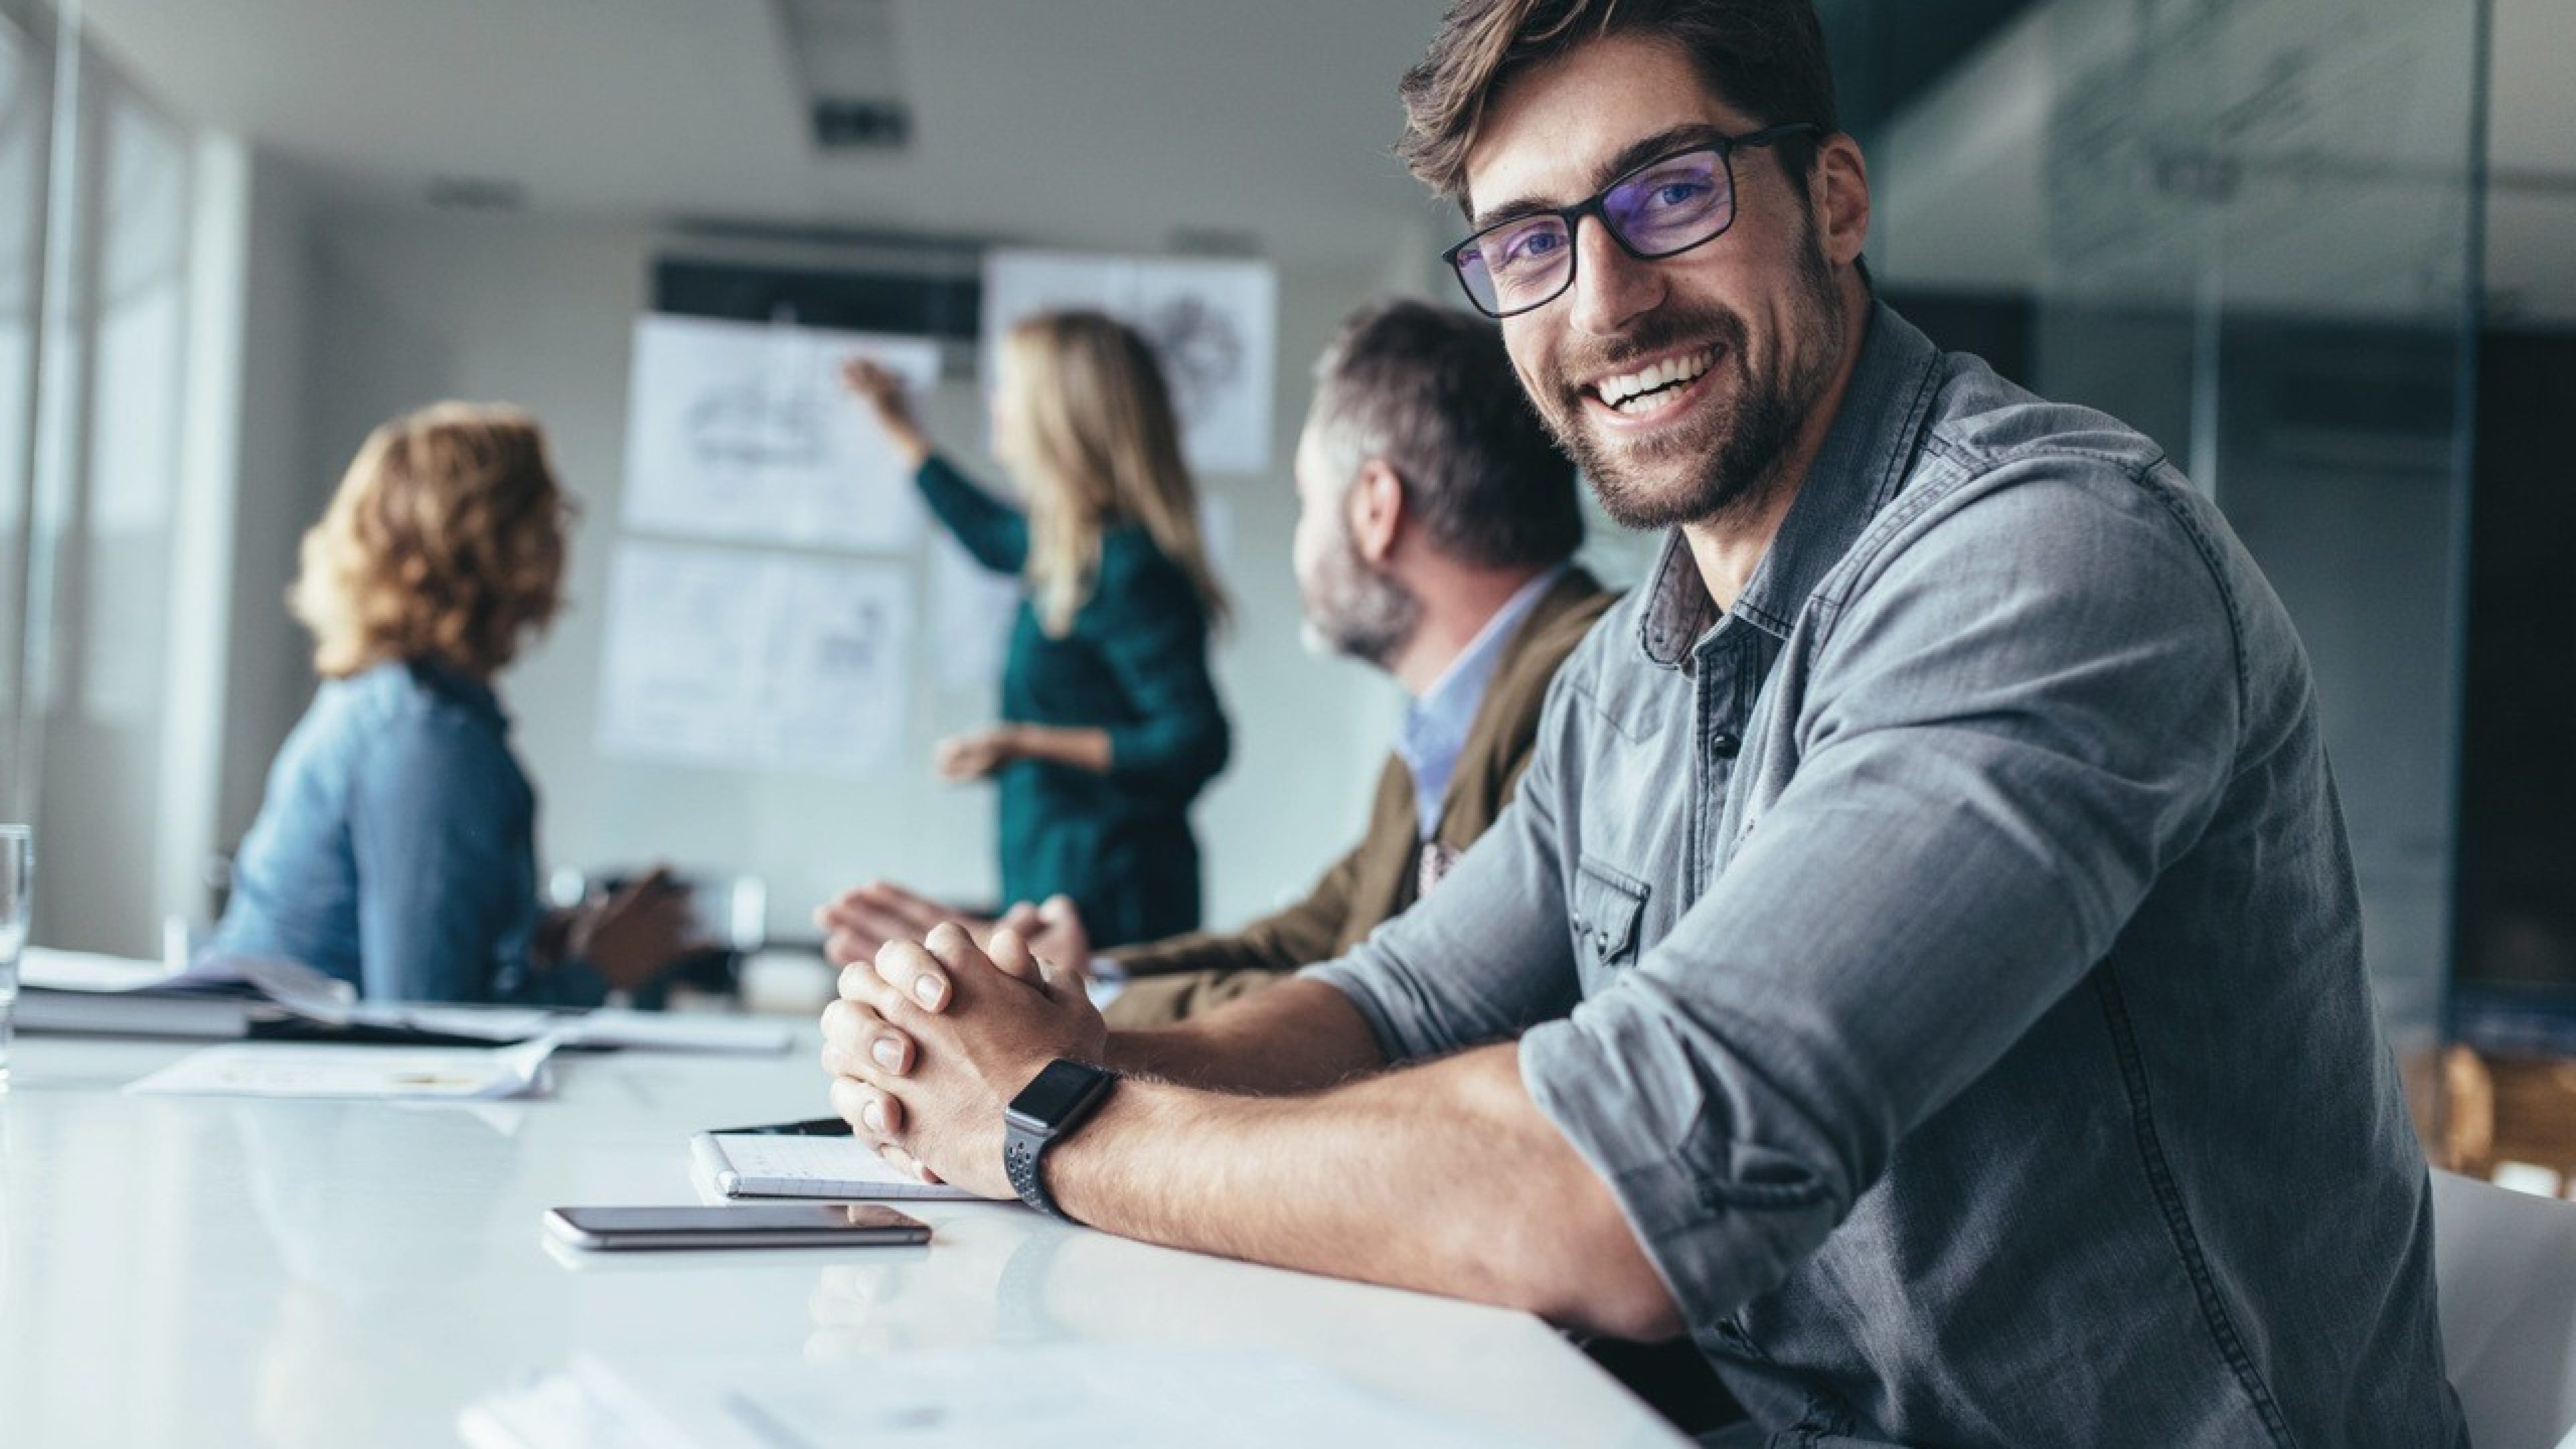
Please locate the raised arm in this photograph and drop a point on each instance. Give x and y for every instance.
(994, 532)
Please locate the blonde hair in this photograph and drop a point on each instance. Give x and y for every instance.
(444, 542)
(1096, 431)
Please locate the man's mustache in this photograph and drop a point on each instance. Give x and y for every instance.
(1659, 331)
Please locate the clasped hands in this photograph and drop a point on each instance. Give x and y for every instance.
(931, 1039)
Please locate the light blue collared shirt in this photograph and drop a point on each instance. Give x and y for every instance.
(1435, 726)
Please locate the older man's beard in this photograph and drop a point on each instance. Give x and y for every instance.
(1356, 611)
(1743, 438)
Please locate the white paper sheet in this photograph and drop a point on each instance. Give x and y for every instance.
(741, 431)
(1215, 324)
(754, 661)
(274, 1069)
(54, 970)
(1141, 1396)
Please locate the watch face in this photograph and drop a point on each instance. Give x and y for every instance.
(1056, 1093)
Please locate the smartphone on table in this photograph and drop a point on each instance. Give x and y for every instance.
(757, 1225)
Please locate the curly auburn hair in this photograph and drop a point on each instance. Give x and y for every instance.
(445, 542)
(1765, 57)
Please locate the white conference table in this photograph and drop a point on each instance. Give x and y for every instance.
(212, 1271)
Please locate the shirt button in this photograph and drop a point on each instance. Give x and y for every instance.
(1724, 745)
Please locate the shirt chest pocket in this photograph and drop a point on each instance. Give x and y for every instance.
(1609, 912)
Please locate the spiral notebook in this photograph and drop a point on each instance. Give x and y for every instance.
(742, 1164)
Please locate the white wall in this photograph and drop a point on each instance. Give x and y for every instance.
(405, 309)
(277, 493)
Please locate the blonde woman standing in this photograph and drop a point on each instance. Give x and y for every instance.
(1110, 722)
(395, 848)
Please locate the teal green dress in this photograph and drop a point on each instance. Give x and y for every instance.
(1135, 663)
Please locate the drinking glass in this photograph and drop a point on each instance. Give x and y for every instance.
(17, 869)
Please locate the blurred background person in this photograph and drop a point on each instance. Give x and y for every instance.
(1436, 530)
(395, 846)
(1110, 721)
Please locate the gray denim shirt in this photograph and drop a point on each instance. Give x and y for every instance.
(1950, 958)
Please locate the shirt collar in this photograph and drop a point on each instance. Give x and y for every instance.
(1862, 464)
(474, 694)
(1435, 725)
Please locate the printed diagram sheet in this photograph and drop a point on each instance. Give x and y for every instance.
(1214, 324)
(740, 431)
(753, 660)
(976, 610)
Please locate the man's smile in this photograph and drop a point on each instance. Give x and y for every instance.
(1649, 395)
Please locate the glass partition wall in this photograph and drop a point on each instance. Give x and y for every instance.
(94, 213)
(2250, 228)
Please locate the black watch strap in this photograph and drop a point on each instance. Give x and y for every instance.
(1022, 1151)
(1058, 1100)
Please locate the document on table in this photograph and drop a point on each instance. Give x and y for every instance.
(442, 1074)
(759, 1165)
(1139, 1397)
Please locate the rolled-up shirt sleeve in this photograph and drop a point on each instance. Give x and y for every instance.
(2018, 720)
(1488, 953)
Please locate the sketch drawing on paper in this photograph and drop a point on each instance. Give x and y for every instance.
(737, 431)
(754, 660)
(1201, 352)
(1213, 324)
(747, 425)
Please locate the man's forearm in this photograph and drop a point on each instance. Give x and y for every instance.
(1445, 1178)
(1298, 1036)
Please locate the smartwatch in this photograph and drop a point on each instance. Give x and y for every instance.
(1054, 1102)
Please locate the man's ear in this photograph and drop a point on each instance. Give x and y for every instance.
(1840, 188)
(1375, 510)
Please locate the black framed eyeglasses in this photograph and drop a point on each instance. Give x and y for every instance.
(1665, 207)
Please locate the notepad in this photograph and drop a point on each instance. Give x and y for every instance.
(750, 1165)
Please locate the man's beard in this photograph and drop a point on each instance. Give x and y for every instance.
(1743, 438)
(1357, 611)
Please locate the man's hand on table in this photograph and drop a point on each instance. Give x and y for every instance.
(931, 1040)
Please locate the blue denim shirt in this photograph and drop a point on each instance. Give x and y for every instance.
(395, 848)
(1950, 958)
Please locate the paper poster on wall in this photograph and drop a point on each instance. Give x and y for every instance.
(754, 661)
(740, 431)
(974, 608)
(1214, 324)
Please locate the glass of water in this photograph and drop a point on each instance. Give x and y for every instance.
(17, 879)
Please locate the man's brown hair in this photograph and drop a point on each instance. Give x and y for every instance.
(1764, 57)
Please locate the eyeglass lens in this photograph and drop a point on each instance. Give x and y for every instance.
(1670, 206)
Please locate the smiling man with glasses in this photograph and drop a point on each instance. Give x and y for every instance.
(1923, 962)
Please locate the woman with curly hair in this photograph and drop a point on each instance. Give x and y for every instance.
(395, 848)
